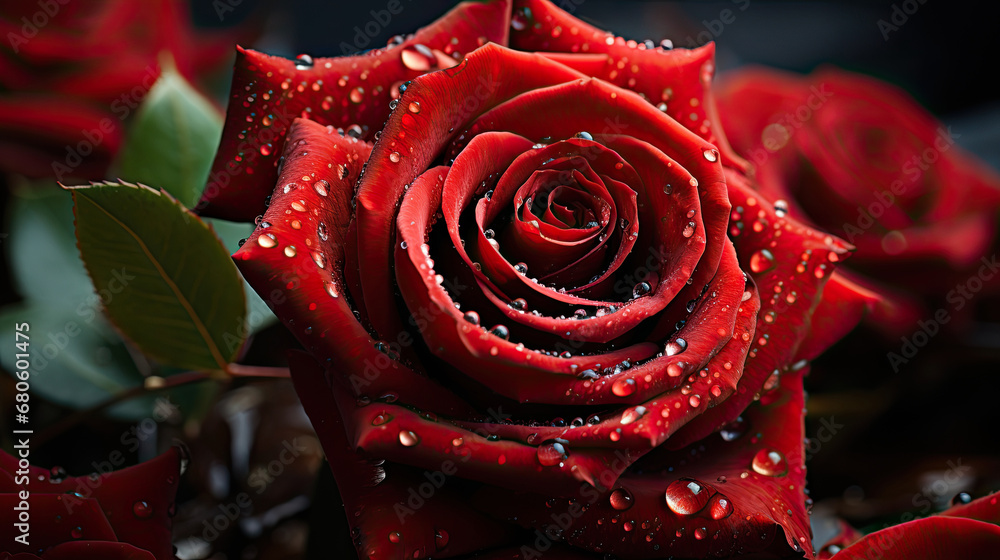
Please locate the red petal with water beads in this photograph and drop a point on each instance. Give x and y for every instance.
(351, 92)
(386, 520)
(295, 261)
(133, 505)
(721, 497)
(676, 80)
(445, 102)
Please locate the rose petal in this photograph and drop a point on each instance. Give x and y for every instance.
(268, 92)
(301, 275)
(116, 494)
(680, 79)
(378, 496)
(761, 501)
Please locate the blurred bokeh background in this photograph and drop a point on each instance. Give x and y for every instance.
(882, 442)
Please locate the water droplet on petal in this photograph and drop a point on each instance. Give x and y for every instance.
(720, 507)
(408, 438)
(623, 387)
(711, 155)
(633, 414)
(621, 499)
(688, 229)
(500, 331)
(290, 251)
(781, 208)
(761, 261)
(357, 95)
(675, 346)
(417, 57)
(641, 289)
(441, 539)
(961, 498)
(394, 157)
(303, 62)
(381, 419)
(687, 496)
(142, 510)
(267, 240)
(551, 453)
(322, 187)
(769, 462)
(414, 107)
(395, 537)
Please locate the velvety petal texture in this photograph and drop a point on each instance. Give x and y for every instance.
(352, 93)
(540, 294)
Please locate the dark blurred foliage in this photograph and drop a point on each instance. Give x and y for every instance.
(883, 442)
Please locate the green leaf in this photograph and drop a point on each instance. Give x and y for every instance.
(164, 278)
(172, 141)
(79, 362)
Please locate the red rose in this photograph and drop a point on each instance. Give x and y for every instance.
(861, 159)
(115, 515)
(537, 290)
(962, 531)
(71, 72)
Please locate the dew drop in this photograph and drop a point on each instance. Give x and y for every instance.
(700, 533)
(521, 268)
(633, 414)
(694, 401)
(711, 155)
(769, 462)
(961, 498)
(472, 317)
(266, 149)
(381, 419)
(621, 499)
(394, 157)
(395, 537)
(408, 438)
(441, 539)
(290, 251)
(761, 261)
(303, 62)
(781, 208)
(322, 187)
(688, 229)
(321, 231)
(687, 496)
(267, 240)
(720, 507)
(414, 107)
(500, 331)
(623, 387)
(357, 95)
(675, 346)
(142, 510)
(551, 453)
(641, 289)
(417, 57)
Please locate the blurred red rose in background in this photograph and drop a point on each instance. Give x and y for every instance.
(72, 72)
(861, 159)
